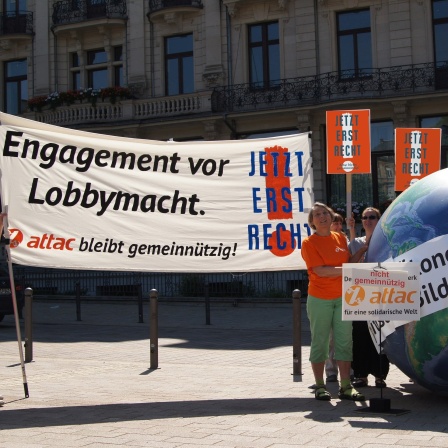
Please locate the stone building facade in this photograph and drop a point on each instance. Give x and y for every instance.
(232, 69)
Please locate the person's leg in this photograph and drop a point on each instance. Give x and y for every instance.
(320, 316)
(331, 366)
(360, 361)
(378, 364)
(342, 331)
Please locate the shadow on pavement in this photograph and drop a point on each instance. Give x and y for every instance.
(118, 412)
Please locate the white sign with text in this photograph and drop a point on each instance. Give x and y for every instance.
(381, 291)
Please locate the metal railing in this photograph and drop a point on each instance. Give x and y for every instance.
(75, 11)
(16, 23)
(265, 286)
(158, 5)
(333, 86)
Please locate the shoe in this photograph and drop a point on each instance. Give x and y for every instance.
(2, 402)
(380, 383)
(349, 393)
(313, 386)
(322, 394)
(360, 382)
(332, 378)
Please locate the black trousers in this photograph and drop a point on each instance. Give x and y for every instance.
(366, 360)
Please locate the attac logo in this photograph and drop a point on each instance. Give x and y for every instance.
(15, 237)
(356, 294)
(45, 242)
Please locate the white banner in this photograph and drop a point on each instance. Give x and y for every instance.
(80, 200)
(432, 258)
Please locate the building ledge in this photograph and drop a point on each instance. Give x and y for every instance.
(170, 10)
(125, 110)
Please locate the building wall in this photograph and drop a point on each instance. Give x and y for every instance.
(401, 35)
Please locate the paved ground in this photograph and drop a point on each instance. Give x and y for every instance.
(227, 384)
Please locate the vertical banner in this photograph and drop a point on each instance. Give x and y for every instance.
(417, 154)
(348, 142)
(348, 146)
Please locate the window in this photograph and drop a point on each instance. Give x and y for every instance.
(95, 8)
(14, 18)
(264, 55)
(440, 31)
(16, 86)
(14, 6)
(354, 44)
(118, 66)
(75, 72)
(99, 71)
(377, 188)
(179, 69)
(439, 122)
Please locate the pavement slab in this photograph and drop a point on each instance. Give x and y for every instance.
(223, 382)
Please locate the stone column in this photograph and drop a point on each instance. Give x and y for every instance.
(213, 74)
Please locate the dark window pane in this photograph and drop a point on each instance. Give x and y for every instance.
(179, 44)
(15, 6)
(346, 53)
(16, 68)
(441, 42)
(437, 122)
(75, 60)
(354, 43)
(273, 31)
(76, 80)
(118, 76)
(179, 66)
(364, 51)
(354, 20)
(98, 79)
(173, 77)
(16, 86)
(264, 55)
(440, 9)
(12, 94)
(96, 57)
(188, 70)
(255, 34)
(382, 136)
(24, 90)
(274, 68)
(256, 60)
(118, 53)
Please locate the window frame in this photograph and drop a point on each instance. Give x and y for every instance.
(22, 91)
(266, 44)
(85, 71)
(181, 57)
(435, 23)
(20, 6)
(357, 72)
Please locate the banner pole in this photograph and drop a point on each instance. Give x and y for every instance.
(14, 300)
(348, 191)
